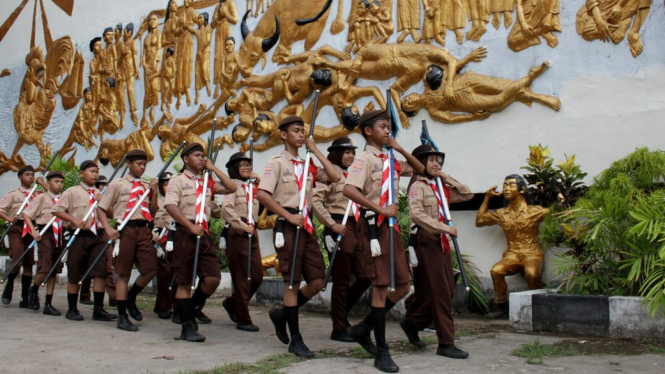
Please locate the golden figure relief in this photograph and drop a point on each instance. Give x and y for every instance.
(230, 67)
(224, 16)
(109, 58)
(37, 100)
(431, 22)
(119, 78)
(519, 222)
(502, 7)
(151, 74)
(167, 80)
(535, 18)
(113, 150)
(408, 19)
(108, 110)
(609, 20)
(184, 52)
(202, 71)
(95, 70)
(170, 25)
(476, 95)
(128, 72)
(479, 15)
(83, 129)
(407, 61)
(270, 262)
(453, 17)
(250, 103)
(71, 89)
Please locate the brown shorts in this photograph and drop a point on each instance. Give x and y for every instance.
(184, 246)
(350, 246)
(136, 246)
(18, 244)
(83, 252)
(48, 253)
(309, 263)
(377, 269)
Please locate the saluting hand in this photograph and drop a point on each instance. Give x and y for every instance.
(492, 192)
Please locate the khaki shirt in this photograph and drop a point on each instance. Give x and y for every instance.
(11, 203)
(76, 202)
(424, 207)
(162, 217)
(181, 192)
(117, 196)
(520, 228)
(329, 199)
(367, 171)
(279, 179)
(40, 209)
(234, 208)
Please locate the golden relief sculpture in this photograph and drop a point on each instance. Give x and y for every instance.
(37, 99)
(151, 76)
(108, 107)
(230, 70)
(113, 150)
(202, 71)
(535, 18)
(371, 23)
(499, 8)
(94, 76)
(167, 79)
(431, 22)
(223, 17)
(479, 15)
(610, 20)
(408, 19)
(476, 96)
(453, 17)
(184, 52)
(128, 72)
(83, 129)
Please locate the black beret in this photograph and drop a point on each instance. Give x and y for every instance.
(93, 41)
(237, 157)
(87, 164)
(191, 148)
(24, 169)
(284, 124)
(102, 179)
(372, 116)
(166, 176)
(137, 154)
(342, 143)
(426, 150)
(54, 174)
(108, 29)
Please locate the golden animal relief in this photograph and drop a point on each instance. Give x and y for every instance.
(192, 40)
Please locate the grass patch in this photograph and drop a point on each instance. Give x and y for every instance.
(359, 352)
(534, 352)
(268, 365)
(654, 349)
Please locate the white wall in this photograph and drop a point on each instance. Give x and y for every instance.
(612, 102)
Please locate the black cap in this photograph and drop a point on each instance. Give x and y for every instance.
(24, 169)
(342, 143)
(102, 179)
(87, 164)
(54, 174)
(165, 177)
(137, 154)
(372, 116)
(191, 148)
(93, 41)
(284, 124)
(237, 157)
(426, 150)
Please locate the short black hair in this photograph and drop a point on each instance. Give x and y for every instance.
(365, 3)
(130, 27)
(434, 77)
(350, 120)
(170, 50)
(111, 82)
(322, 77)
(408, 113)
(521, 182)
(231, 39)
(118, 27)
(205, 18)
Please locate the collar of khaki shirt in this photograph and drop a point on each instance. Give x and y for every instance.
(374, 150)
(289, 156)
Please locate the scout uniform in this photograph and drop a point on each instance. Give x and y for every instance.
(234, 212)
(164, 299)
(433, 276)
(76, 201)
(51, 244)
(136, 245)
(18, 241)
(329, 206)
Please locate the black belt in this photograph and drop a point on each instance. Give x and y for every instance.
(40, 227)
(340, 217)
(138, 223)
(84, 233)
(292, 211)
(18, 222)
(178, 225)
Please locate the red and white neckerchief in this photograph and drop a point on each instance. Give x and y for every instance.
(301, 178)
(354, 205)
(445, 245)
(386, 179)
(26, 229)
(93, 215)
(137, 192)
(246, 187)
(57, 226)
(200, 213)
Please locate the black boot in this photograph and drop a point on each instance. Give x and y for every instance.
(132, 309)
(384, 362)
(248, 328)
(176, 319)
(501, 311)
(198, 302)
(279, 321)
(74, 315)
(451, 351)
(26, 284)
(202, 318)
(411, 332)
(33, 297)
(99, 314)
(9, 290)
(360, 333)
(163, 314)
(341, 336)
(85, 301)
(125, 324)
(189, 334)
(50, 310)
(298, 347)
(230, 311)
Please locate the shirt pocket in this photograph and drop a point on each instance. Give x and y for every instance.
(290, 185)
(188, 196)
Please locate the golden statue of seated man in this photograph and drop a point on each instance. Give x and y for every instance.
(519, 222)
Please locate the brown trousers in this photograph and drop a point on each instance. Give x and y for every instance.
(309, 262)
(83, 252)
(348, 261)
(164, 299)
(110, 279)
(48, 253)
(184, 248)
(18, 244)
(434, 288)
(136, 247)
(243, 290)
(377, 269)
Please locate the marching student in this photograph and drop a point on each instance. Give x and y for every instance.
(433, 276)
(136, 245)
(91, 240)
(367, 185)
(164, 298)
(50, 246)
(329, 206)
(184, 195)
(279, 191)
